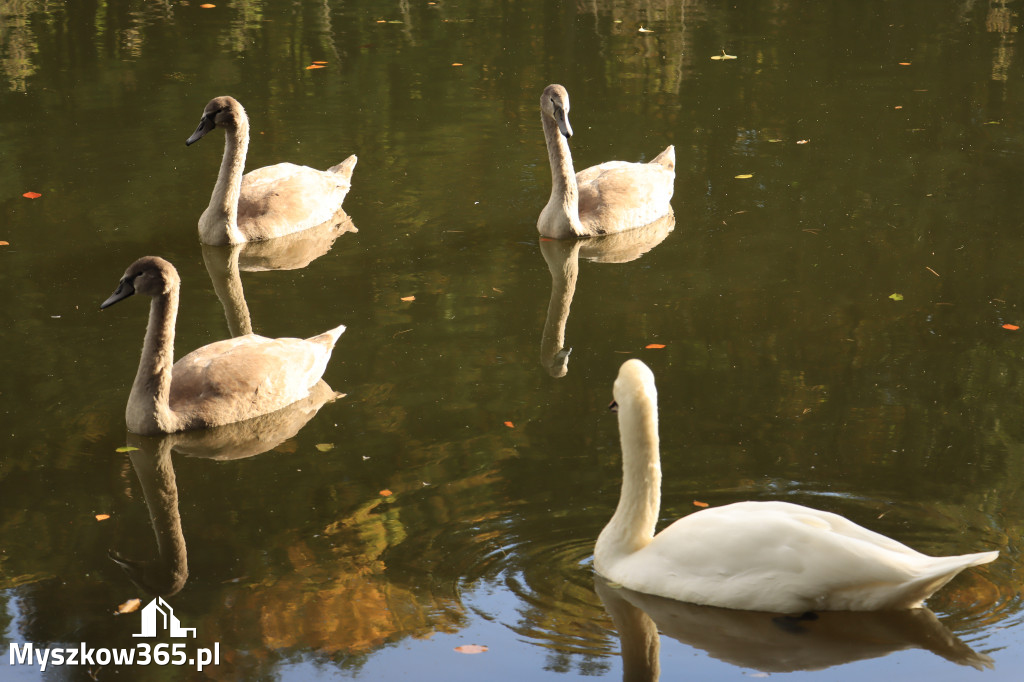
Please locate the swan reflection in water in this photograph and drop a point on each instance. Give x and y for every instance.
(291, 252)
(562, 257)
(166, 574)
(769, 642)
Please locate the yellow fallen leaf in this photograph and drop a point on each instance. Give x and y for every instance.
(408, 298)
(102, 517)
(126, 448)
(724, 56)
(128, 606)
(324, 447)
(645, 30)
(744, 176)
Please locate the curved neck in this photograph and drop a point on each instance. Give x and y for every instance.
(222, 265)
(563, 262)
(219, 223)
(561, 214)
(149, 410)
(632, 526)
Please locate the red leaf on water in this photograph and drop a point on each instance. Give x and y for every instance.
(1011, 327)
(510, 425)
(314, 65)
(655, 345)
(386, 493)
(471, 649)
(31, 195)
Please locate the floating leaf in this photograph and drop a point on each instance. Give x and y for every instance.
(386, 493)
(904, 63)
(471, 649)
(645, 30)
(510, 425)
(408, 298)
(126, 448)
(324, 447)
(932, 271)
(896, 297)
(744, 176)
(802, 141)
(698, 503)
(3, 243)
(315, 66)
(724, 56)
(31, 195)
(1011, 327)
(320, 62)
(655, 345)
(128, 607)
(456, 63)
(102, 517)
(207, 5)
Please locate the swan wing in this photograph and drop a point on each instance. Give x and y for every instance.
(239, 378)
(286, 197)
(618, 195)
(781, 557)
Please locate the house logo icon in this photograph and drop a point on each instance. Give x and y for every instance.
(158, 614)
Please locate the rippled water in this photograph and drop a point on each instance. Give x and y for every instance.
(452, 496)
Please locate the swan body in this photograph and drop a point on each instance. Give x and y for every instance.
(221, 383)
(763, 556)
(611, 197)
(268, 202)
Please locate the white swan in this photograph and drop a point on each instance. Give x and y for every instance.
(611, 197)
(763, 556)
(268, 202)
(221, 383)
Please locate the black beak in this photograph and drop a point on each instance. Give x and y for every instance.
(613, 406)
(123, 291)
(206, 124)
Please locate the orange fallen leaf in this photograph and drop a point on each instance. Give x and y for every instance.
(128, 607)
(207, 6)
(320, 62)
(315, 66)
(898, 106)
(471, 649)
(655, 345)
(802, 141)
(408, 298)
(3, 243)
(102, 517)
(510, 425)
(904, 63)
(386, 493)
(1011, 327)
(31, 195)
(456, 63)
(698, 503)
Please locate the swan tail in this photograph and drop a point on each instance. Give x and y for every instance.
(345, 168)
(667, 158)
(329, 337)
(938, 572)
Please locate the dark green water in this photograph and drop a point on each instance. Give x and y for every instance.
(885, 145)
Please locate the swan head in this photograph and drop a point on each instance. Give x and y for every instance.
(223, 111)
(634, 389)
(150, 275)
(554, 104)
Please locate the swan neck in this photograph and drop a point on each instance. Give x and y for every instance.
(149, 409)
(563, 263)
(222, 265)
(633, 524)
(219, 224)
(563, 205)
